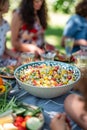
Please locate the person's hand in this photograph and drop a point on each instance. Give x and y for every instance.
(59, 122)
(49, 47)
(34, 49)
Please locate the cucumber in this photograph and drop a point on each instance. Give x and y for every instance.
(28, 113)
(36, 111)
(8, 112)
(19, 111)
(32, 112)
(33, 123)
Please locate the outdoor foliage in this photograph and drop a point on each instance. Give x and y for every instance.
(65, 6)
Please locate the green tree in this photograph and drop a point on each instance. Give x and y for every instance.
(14, 4)
(65, 6)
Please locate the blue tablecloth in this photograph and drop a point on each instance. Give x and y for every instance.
(49, 106)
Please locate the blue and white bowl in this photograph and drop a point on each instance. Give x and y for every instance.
(47, 92)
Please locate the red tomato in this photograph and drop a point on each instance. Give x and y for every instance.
(23, 124)
(26, 118)
(69, 77)
(54, 79)
(59, 84)
(19, 119)
(16, 124)
(34, 82)
(22, 128)
(56, 85)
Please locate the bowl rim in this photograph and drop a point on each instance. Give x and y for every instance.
(18, 68)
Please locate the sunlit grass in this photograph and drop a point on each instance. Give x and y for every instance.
(54, 32)
(53, 35)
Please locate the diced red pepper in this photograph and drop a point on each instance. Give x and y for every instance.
(69, 77)
(34, 82)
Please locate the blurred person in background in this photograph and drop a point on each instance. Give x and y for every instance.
(76, 27)
(28, 26)
(60, 122)
(76, 107)
(4, 28)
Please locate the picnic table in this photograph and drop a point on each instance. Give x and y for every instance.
(49, 106)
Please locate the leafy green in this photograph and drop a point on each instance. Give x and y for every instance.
(5, 104)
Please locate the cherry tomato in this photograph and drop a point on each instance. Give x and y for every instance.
(23, 124)
(26, 118)
(19, 119)
(69, 77)
(22, 128)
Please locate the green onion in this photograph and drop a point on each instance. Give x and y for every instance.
(6, 105)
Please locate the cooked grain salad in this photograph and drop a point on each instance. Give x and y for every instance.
(46, 76)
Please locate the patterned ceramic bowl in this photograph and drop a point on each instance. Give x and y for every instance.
(47, 79)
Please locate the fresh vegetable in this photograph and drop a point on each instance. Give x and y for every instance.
(33, 123)
(8, 71)
(32, 112)
(1, 81)
(19, 111)
(19, 114)
(6, 105)
(36, 111)
(2, 88)
(24, 113)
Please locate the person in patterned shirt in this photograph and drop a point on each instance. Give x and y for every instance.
(4, 28)
(28, 26)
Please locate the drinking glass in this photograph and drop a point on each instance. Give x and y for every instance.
(26, 57)
(69, 42)
(48, 55)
